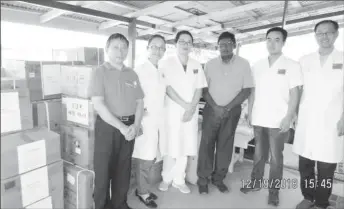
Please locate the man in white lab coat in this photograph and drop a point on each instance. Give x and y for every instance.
(146, 145)
(185, 79)
(320, 127)
(272, 108)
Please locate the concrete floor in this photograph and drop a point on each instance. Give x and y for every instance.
(235, 199)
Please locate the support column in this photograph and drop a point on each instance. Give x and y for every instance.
(132, 43)
(285, 13)
(238, 49)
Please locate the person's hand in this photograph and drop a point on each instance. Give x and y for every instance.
(248, 118)
(219, 110)
(132, 133)
(188, 114)
(285, 124)
(124, 129)
(340, 127)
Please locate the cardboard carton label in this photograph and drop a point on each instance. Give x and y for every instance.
(34, 186)
(31, 156)
(51, 79)
(76, 80)
(10, 112)
(70, 179)
(77, 110)
(43, 204)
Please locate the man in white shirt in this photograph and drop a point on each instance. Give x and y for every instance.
(320, 127)
(272, 108)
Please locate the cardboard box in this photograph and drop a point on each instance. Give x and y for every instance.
(77, 144)
(56, 200)
(78, 111)
(47, 114)
(86, 55)
(16, 112)
(28, 150)
(78, 187)
(43, 78)
(28, 188)
(76, 80)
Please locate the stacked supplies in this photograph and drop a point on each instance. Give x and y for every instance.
(77, 136)
(31, 170)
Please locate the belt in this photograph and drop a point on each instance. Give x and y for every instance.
(126, 118)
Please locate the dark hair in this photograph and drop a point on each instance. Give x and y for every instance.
(156, 36)
(334, 23)
(278, 29)
(116, 36)
(227, 35)
(181, 33)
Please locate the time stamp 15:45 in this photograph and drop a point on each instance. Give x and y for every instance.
(291, 183)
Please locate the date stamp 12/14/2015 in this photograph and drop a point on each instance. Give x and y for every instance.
(292, 183)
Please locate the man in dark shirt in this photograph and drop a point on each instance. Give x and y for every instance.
(118, 100)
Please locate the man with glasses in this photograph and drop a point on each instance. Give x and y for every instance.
(319, 132)
(229, 85)
(272, 108)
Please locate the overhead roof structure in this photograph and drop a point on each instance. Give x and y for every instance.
(248, 20)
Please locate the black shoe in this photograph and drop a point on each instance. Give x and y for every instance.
(203, 189)
(221, 187)
(148, 201)
(153, 196)
(273, 198)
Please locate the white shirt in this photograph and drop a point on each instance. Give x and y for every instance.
(272, 85)
(154, 89)
(321, 107)
(181, 137)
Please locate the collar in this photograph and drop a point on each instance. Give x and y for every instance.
(230, 61)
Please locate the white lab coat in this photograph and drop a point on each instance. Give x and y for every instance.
(321, 107)
(154, 89)
(181, 137)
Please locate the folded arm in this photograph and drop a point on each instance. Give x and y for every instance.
(175, 97)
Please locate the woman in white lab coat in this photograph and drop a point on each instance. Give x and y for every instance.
(185, 79)
(319, 131)
(146, 145)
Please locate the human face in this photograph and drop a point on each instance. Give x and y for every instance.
(326, 35)
(156, 49)
(226, 46)
(274, 42)
(117, 51)
(184, 45)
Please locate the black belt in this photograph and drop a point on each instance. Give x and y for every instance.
(126, 118)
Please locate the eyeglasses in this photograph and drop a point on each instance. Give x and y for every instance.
(156, 48)
(323, 34)
(226, 44)
(185, 43)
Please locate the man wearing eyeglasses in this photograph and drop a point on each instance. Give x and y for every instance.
(229, 85)
(319, 132)
(272, 109)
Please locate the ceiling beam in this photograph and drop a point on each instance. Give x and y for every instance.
(54, 13)
(142, 12)
(231, 11)
(314, 17)
(86, 11)
(285, 11)
(295, 3)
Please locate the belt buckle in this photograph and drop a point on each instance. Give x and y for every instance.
(124, 118)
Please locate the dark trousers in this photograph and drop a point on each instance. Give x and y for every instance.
(219, 131)
(268, 140)
(322, 192)
(142, 169)
(112, 162)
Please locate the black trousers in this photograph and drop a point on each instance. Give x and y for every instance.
(112, 162)
(219, 131)
(268, 140)
(316, 189)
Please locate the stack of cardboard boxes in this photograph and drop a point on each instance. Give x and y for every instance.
(31, 111)
(77, 135)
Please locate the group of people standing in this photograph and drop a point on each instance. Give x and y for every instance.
(154, 108)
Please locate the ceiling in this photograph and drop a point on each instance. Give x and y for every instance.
(206, 20)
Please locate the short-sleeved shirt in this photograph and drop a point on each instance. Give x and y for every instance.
(272, 86)
(226, 80)
(120, 88)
